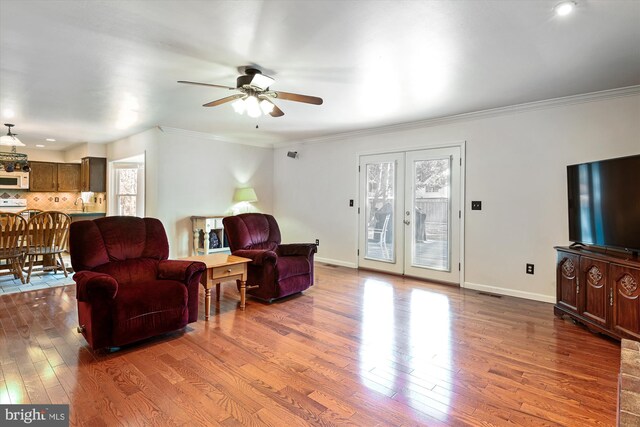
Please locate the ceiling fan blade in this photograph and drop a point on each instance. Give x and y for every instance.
(223, 100)
(276, 112)
(205, 84)
(298, 98)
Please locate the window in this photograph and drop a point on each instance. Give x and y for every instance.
(128, 194)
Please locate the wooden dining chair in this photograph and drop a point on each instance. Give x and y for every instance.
(12, 243)
(28, 213)
(47, 238)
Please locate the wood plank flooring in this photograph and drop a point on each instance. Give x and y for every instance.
(360, 348)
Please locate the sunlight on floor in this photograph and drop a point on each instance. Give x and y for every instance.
(376, 350)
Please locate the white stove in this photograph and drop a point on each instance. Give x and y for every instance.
(13, 205)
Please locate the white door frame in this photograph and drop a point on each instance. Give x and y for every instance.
(463, 159)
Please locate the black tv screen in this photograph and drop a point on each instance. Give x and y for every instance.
(604, 203)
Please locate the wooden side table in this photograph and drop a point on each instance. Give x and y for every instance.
(222, 267)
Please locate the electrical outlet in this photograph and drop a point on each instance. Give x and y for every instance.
(529, 268)
(57, 199)
(476, 205)
(318, 242)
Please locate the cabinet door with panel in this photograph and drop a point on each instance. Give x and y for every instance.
(567, 280)
(624, 300)
(594, 303)
(43, 176)
(68, 177)
(94, 174)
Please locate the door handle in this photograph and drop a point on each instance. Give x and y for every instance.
(406, 222)
(611, 296)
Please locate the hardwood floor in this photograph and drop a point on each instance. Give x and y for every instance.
(359, 348)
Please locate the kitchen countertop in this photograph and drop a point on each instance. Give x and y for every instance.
(80, 213)
(69, 212)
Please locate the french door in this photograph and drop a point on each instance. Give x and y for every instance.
(410, 213)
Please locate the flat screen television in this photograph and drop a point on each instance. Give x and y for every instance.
(604, 203)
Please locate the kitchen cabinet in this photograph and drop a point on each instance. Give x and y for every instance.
(69, 177)
(599, 289)
(43, 176)
(94, 174)
(48, 176)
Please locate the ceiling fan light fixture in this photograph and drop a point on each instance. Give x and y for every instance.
(260, 81)
(239, 106)
(253, 107)
(266, 106)
(255, 97)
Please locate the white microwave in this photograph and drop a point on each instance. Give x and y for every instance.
(14, 180)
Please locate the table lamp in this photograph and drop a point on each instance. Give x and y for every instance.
(245, 196)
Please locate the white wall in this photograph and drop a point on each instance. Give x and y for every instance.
(188, 175)
(77, 152)
(37, 155)
(515, 164)
(73, 154)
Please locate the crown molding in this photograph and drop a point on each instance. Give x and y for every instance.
(492, 112)
(211, 137)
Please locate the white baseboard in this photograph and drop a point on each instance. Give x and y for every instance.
(510, 292)
(335, 262)
(467, 285)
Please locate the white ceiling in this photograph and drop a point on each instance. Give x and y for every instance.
(68, 69)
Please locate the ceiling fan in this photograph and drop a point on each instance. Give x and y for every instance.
(255, 97)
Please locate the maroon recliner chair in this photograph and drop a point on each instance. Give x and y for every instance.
(127, 289)
(276, 270)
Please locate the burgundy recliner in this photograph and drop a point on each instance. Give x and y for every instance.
(126, 288)
(278, 270)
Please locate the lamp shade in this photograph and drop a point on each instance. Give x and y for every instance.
(247, 194)
(10, 140)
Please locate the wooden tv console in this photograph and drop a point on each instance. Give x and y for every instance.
(600, 289)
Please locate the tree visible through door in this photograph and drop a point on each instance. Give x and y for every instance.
(379, 209)
(431, 203)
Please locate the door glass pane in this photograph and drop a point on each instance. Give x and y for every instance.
(432, 207)
(379, 211)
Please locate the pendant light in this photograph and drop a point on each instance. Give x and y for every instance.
(10, 138)
(12, 160)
